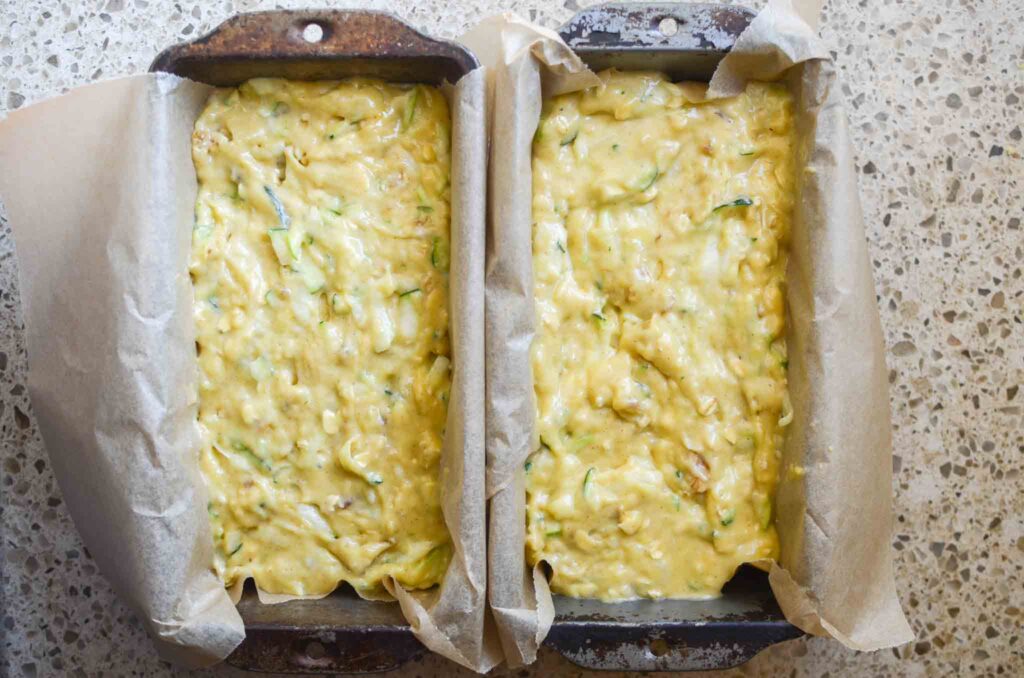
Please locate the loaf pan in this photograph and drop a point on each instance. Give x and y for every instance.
(340, 633)
(685, 41)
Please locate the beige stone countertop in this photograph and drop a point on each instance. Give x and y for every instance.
(933, 91)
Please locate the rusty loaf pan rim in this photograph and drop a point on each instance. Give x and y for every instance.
(275, 37)
(729, 20)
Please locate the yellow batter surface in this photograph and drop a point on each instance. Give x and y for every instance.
(659, 251)
(320, 268)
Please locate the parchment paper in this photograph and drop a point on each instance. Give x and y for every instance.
(100, 191)
(835, 572)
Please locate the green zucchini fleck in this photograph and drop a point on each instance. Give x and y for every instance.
(648, 180)
(282, 215)
(432, 566)
(728, 517)
(311, 276)
(588, 480)
(408, 292)
(742, 201)
(570, 138)
(410, 108)
(440, 255)
(247, 452)
(236, 550)
(423, 201)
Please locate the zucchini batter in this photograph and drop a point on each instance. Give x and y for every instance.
(320, 268)
(659, 363)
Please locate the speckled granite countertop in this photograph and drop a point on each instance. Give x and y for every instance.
(934, 96)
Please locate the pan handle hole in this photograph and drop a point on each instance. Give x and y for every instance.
(315, 650)
(313, 33)
(668, 27)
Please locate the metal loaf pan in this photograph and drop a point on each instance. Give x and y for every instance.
(686, 41)
(340, 633)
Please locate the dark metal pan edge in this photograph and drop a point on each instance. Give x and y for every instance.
(350, 43)
(684, 40)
